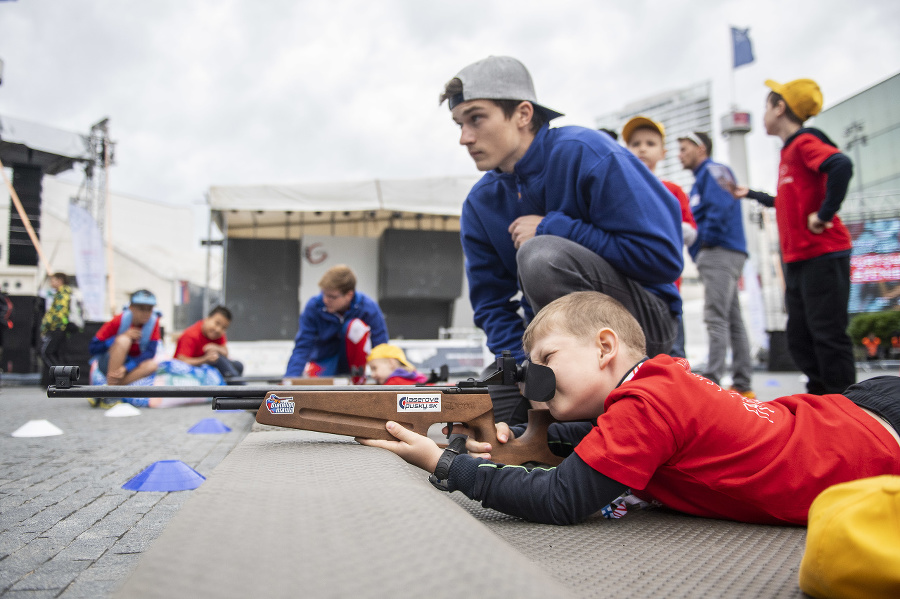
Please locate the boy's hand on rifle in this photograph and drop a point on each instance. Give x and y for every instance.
(416, 449)
(478, 449)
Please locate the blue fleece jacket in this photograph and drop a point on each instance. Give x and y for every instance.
(718, 214)
(321, 333)
(590, 190)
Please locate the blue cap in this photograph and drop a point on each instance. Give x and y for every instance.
(144, 297)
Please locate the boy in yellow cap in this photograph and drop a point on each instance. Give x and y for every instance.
(812, 182)
(646, 139)
(389, 366)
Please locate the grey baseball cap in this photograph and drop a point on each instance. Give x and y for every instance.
(498, 78)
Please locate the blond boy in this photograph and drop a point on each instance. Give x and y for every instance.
(670, 436)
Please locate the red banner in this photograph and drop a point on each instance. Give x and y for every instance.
(872, 268)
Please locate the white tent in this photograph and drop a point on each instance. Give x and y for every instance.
(362, 208)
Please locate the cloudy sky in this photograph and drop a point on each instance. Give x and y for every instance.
(219, 92)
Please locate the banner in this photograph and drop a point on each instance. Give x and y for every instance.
(90, 261)
(742, 49)
(875, 266)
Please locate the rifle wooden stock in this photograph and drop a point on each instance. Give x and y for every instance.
(363, 410)
(364, 413)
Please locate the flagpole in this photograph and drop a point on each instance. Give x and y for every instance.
(731, 73)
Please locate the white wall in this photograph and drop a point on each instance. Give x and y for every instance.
(155, 246)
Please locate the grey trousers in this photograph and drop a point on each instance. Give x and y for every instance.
(551, 267)
(720, 270)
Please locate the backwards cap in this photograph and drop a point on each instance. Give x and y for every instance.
(802, 96)
(641, 122)
(498, 78)
(699, 139)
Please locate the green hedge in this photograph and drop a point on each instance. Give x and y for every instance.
(883, 324)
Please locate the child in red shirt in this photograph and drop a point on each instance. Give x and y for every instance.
(668, 435)
(389, 366)
(125, 346)
(812, 182)
(646, 139)
(204, 342)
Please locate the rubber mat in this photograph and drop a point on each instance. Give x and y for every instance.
(657, 553)
(299, 514)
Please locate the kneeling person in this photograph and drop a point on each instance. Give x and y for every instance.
(338, 328)
(125, 346)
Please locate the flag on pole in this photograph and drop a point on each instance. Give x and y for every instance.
(742, 48)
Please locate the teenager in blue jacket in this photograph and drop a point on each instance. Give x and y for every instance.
(338, 328)
(557, 210)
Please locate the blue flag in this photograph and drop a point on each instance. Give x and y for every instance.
(741, 46)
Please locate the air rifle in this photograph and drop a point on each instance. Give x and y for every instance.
(363, 410)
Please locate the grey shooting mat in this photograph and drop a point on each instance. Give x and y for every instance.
(299, 514)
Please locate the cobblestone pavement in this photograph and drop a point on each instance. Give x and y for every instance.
(67, 528)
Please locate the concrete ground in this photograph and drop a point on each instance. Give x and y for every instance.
(68, 529)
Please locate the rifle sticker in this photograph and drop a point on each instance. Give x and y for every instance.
(418, 402)
(280, 405)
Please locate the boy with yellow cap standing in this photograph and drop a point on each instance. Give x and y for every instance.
(812, 182)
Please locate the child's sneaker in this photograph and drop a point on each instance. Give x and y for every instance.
(748, 393)
(103, 402)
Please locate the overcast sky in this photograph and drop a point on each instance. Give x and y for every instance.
(220, 92)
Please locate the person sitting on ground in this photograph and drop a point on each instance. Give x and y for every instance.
(669, 435)
(338, 328)
(204, 342)
(125, 347)
(389, 366)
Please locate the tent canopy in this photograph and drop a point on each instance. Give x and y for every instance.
(33, 144)
(361, 208)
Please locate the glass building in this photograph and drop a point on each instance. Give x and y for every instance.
(866, 127)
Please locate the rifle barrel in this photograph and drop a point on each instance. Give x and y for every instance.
(234, 391)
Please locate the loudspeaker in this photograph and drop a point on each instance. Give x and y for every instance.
(419, 264)
(262, 277)
(76, 353)
(21, 343)
(415, 318)
(27, 183)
